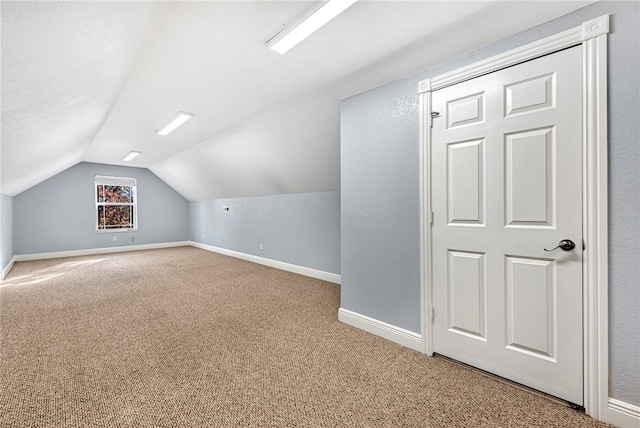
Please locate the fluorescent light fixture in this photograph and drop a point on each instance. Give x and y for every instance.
(180, 118)
(130, 156)
(287, 39)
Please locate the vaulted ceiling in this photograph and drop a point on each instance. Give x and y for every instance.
(92, 81)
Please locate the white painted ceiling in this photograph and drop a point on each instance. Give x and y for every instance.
(91, 81)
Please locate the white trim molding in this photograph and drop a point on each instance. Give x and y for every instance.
(426, 217)
(7, 268)
(301, 270)
(623, 415)
(595, 221)
(92, 251)
(592, 35)
(575, 36)
(390, 332)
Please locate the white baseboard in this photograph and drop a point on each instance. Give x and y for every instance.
(7, 268)
(313, 273)
(390, 332)
(623, 415)
(92, 251)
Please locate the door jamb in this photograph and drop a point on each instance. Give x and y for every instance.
(592, 35)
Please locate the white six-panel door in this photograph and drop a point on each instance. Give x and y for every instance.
(506, 185)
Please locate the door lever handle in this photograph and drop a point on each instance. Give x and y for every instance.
(564, 245)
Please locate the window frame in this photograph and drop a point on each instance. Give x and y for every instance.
(115, 181)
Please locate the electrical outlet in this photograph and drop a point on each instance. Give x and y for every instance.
(115, 238)
(203, 236)
(133, 239)
(261, 247)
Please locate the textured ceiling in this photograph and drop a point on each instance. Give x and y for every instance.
(91, 81)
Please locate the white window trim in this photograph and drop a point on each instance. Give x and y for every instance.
(592, 35)
(116, 181)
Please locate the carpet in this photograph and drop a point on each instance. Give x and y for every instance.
(182, 337)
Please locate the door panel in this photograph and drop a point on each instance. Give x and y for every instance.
(465, 190)
(465, 111)
(529, 95)
(529, 180)
(506, 184)
(467, 297)
(531, 290)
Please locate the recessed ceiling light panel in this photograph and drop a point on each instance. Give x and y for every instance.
(287, 39)
(180, 118)
(130, 156)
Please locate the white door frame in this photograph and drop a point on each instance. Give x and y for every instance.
(592, 35)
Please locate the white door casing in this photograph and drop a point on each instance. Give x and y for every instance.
(592, 36)
(506, 184)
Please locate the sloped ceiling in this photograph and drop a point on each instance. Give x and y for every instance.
(91, 81)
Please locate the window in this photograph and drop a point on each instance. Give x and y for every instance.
(116, 204)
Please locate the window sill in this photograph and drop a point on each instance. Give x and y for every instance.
(101, 231)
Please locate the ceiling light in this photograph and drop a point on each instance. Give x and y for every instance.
(287, 39)
(180, 118)
(130, 156)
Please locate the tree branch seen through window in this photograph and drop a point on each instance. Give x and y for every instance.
(116, 204)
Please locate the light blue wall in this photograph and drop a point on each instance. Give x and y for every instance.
(59, 213)
(302, 229)
(380, 205)
(6, 230)
(380, 200)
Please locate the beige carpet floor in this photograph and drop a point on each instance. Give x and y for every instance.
(182, 337)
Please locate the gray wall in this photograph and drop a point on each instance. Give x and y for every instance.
(6, 230)
(380, 200)
(59, 213)
(302, 229)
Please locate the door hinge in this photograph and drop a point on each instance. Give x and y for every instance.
(431, 218)
(584, 245)
(433, 314)
(433, 115)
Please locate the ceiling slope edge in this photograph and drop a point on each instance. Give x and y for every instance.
(293, 148)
